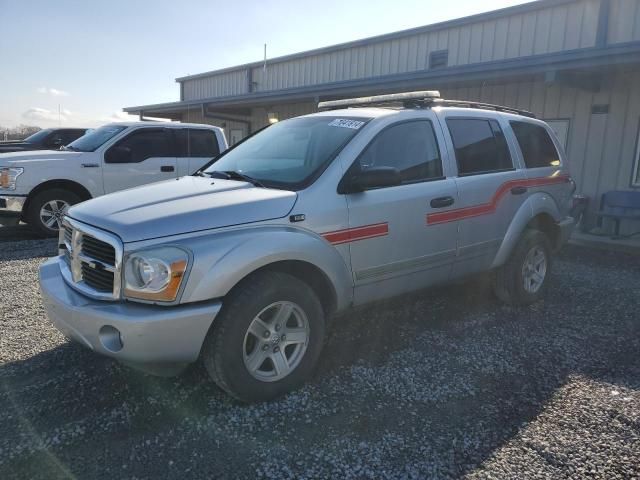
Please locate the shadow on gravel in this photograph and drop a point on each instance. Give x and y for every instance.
(431, 384)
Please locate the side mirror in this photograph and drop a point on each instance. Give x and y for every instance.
(119, 155)
(374, 177)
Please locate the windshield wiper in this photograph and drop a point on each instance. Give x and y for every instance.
(233, 175)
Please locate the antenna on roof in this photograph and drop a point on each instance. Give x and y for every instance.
(264, 66)
(406, 97)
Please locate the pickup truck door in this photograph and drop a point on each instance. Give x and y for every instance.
(393, 248)
(195, 148)
(146, 155)
(491, 188)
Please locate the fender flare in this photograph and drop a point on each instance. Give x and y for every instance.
(240, 252)
(536, 204)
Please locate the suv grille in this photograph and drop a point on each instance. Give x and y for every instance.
(92, 247)
(93, 263)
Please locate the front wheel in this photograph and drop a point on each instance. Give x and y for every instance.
(523, 279)
(46, 210)
(267, 339)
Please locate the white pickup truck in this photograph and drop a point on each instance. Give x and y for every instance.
(39, 187)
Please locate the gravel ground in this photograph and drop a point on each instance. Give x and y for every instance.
(444, 383)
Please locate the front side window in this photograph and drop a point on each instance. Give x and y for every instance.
(38, 136)
(480, 146)
(95, 138)
(410, 147)
(536, 145)
(292, 153)
(197, 143)
(140, 145)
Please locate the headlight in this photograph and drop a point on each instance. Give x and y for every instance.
(155, 274)
(8, 177)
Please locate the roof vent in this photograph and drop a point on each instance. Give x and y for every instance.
(438, 59)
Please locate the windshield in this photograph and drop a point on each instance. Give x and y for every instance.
(292, 153)
(38, 136)
(93, 139)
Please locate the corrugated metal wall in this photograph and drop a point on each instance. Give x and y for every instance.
(624, 21)
(601, 147)
(551, 29)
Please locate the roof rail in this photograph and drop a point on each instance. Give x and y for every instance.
(420, 99)
(419, 96)
(440, 102)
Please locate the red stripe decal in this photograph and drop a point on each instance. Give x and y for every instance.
(488, 208)
(359, 233)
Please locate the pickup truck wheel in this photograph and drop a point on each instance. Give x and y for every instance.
(47, 208)
(523, 279)
(267, 339)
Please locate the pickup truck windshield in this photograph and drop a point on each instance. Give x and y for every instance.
(290, 154)
(38, 136)
(93, 139)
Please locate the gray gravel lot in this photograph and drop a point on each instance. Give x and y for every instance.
(444, 383)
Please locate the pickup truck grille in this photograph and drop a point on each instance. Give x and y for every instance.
(93, 259)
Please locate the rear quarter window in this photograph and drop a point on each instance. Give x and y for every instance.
(537, 147)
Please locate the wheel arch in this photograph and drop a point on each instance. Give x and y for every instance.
(239, 254)
(538, 211)
(70, 185)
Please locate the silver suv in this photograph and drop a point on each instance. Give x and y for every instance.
(241, 264)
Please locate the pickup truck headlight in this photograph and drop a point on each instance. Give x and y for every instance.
(8, 177)
(155, 275)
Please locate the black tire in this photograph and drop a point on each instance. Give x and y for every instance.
(509, 279)
(36, 203)
(223, 354)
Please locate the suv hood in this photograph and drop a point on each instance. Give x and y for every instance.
(25, 158)
(183, 205)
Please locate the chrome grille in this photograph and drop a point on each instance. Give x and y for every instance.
(92, 260)
(94, 248)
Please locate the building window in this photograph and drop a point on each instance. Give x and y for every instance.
(480, 146)
(635, 181)
(561, 129)
(438, 59)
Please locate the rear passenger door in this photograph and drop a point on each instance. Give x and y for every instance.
(392, 248)
(196, 147)
(489, 185)
(146, 155)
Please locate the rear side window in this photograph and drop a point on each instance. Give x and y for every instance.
(480, 146)
(536, 145)
(411, 147)
(197, 143)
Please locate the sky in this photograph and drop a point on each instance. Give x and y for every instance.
(78, 63)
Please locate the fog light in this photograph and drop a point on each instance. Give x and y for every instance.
(110, 338)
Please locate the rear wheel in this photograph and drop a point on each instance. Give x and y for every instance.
(47, 209)
(523, 279)
(267, 339)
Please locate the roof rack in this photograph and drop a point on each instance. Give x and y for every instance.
(483, 106)
(420, 99)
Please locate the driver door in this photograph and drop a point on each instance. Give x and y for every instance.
(144, 156)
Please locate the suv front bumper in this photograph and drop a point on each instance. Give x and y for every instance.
(146, 336)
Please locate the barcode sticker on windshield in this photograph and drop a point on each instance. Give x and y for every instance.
(344, 123)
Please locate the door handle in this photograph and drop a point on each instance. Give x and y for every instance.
(442, 202)
(167, 168)
(518, 190)
(90, 165)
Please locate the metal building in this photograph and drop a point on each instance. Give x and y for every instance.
(574, 63)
